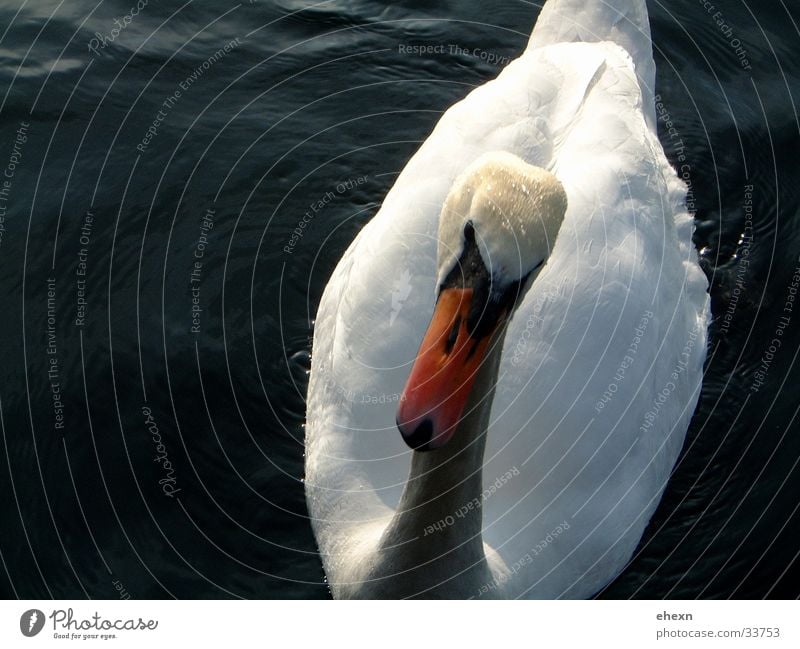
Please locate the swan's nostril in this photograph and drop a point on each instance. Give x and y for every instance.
(417, 437)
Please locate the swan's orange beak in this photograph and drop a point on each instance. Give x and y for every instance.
(443, 374)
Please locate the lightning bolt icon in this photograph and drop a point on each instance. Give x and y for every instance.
(32, 621)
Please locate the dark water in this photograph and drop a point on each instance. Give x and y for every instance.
(140, 454)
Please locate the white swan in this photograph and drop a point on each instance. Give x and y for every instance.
(551, 395)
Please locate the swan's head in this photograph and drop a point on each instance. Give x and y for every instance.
(497, 227)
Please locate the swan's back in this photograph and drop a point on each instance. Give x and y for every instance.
(581, 444)
(623, 22)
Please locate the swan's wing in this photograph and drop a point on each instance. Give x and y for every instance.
(602, 364)
(618, 250)
(623, 22)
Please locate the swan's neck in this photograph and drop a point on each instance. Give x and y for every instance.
(434, 543)
(442, 484)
